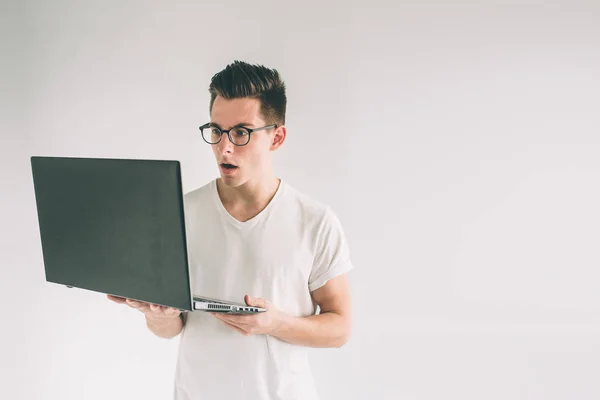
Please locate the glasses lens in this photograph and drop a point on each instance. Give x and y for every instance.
(239, 136)
(211, 134)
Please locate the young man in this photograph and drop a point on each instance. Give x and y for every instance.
(253, 236)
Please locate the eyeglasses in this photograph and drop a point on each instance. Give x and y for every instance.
(239, 135)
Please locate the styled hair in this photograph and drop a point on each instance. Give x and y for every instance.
(241, 79)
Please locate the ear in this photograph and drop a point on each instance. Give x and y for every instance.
(278, 137)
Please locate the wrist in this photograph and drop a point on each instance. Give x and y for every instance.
(281, 324)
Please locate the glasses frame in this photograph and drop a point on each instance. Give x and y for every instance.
(250, 131)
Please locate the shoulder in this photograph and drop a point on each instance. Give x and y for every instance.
(311, 210)
(197, 202)
(200, 194)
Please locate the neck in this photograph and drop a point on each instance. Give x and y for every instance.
(255, 192)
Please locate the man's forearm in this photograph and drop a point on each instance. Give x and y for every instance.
(323, 330)
(165, 329)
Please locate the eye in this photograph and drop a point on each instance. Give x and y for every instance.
(240, 132)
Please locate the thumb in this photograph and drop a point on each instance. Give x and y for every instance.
(256, 301)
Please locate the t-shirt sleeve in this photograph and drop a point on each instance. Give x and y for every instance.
(332, 256)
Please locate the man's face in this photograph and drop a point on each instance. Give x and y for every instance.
(252, 161)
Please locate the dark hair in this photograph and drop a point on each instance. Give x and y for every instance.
(241, 79)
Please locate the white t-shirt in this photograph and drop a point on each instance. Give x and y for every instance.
(294, 246)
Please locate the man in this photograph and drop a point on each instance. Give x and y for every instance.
(253, 236)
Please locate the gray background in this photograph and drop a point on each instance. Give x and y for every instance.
(457, 141)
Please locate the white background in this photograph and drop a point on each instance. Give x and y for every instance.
(457, 141)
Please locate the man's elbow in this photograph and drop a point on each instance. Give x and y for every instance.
(339, 343)
(344, 337)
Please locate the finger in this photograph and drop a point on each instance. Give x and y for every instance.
(240, 318)
(170, 311)
(155, 308)
(157, 311)
(255, 301)
(133, 303)
(116, 299)
(222, 317)
(241, 321)
(162, 311)
(240, 330)
(139, 305)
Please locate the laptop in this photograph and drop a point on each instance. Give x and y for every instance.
(117, 226)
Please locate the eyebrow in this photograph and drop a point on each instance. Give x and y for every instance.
(241, 124)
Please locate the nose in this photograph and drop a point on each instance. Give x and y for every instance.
(225, 145)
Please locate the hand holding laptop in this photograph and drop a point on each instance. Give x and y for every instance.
(263, 323)
(155, 314)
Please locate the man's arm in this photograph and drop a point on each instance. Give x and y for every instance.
(330, 328)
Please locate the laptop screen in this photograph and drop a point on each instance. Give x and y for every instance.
(114, 226)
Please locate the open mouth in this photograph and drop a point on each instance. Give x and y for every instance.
(228, 166)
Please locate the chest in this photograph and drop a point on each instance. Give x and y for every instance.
(272, 255)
